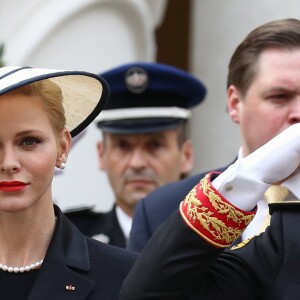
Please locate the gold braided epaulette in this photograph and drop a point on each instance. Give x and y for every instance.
(211, 216)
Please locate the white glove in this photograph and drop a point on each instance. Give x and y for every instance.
(277, 159)
(245, 182)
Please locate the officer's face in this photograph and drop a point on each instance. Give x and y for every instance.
(272, 102)
(138, 164)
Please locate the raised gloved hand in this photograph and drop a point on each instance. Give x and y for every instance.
(276, 160)
(245, 182)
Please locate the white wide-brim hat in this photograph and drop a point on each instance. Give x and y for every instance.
(84, 93)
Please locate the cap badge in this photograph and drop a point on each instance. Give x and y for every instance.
(136, 80)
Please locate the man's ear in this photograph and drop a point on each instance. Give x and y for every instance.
(187, 157)
(101, 154)
(234, 100)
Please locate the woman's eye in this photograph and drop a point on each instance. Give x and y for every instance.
(30, 141)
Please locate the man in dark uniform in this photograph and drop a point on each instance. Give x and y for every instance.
(145, 141)
(260, 99)
(185, 258)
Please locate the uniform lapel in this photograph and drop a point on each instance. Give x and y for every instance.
(67, 257)
(60, 283)
(110, 229)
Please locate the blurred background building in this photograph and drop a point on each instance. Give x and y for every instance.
(198, 36)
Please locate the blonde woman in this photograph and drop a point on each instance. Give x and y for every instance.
(42, 255)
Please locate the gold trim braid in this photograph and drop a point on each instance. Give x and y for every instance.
(211, 216)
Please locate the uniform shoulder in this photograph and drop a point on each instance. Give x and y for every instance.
(171, 194)
(183, 186)
(80, 210)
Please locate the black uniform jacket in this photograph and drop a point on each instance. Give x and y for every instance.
(155, 209)
(178, 264)
(95, 270)
(102, 226)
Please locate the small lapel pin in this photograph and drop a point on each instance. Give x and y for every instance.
(70, 287)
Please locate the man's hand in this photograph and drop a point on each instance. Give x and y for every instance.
(276, 160)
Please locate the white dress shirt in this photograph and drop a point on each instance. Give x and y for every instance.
(125, 222)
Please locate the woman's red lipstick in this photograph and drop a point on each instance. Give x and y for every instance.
(12, 186)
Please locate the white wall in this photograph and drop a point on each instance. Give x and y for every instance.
(218, 27)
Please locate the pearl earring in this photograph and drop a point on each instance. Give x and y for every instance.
(62, 165)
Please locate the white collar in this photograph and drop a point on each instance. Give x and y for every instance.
(124, 220)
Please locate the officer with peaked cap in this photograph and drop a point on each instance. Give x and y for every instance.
(145, 141)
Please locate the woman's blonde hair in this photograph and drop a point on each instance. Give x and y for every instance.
(52, 97)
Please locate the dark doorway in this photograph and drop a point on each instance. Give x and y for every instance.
(173, 36)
